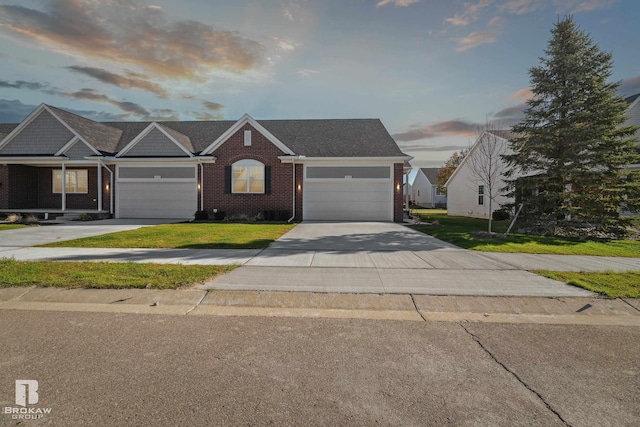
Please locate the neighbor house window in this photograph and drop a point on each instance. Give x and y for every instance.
(77, 181)
(481, 194)
(440, 192)
(248, 177)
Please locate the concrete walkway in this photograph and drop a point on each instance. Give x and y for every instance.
(407, 307)
(360, 258)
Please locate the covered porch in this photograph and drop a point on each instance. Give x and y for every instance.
(55, 186)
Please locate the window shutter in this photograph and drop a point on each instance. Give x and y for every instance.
(267, 180)
(227, 179)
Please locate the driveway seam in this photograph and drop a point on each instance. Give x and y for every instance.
(198, 303)
(630, 305)
(413, 300)
(528, 387)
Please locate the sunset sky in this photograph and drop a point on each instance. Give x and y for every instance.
(431, 70)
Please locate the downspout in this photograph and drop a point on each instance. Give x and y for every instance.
(293, 170)
(64, 187)
(111, 190)
(99, 185)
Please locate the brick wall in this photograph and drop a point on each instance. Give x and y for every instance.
(4, 187)
(398, 169)
(48, 199)
(262, 150)
(23, 187)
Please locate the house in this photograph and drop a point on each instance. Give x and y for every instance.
(425, 190)
(467, 193)
(344, 169)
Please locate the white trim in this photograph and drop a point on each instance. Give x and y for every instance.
(248, 163)
(247, 138)
(237, 126)
(382, 161)
(72, 144)
(154, 160)
(144, 133)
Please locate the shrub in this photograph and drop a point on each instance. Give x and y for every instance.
(500, 215)
(14, 218)
(219, 215)
(201, 216)
(85, 217)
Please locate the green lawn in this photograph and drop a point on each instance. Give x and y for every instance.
(105, 275)
(11, 226)
(457, 230)
(186, 235)
(612, 284)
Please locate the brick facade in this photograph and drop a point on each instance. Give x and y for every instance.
(398, 170)
(262, 150)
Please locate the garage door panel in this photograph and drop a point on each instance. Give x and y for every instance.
(348, 200)
(157, 199)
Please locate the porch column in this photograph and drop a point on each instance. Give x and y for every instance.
(99, 186)
(64, 187)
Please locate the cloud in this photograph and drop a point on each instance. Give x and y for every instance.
(199, 115)
(21, 84)
(432, 148)
(513, 112)
(445, 128)
(469, 14)
(14, 111)
(397, 3)
(475, 39)
(284, 45)
(132, 80)
(124, 33)
(523, 94)
(520, 7)
(305, 72)
(496, 22)
(87, 94)
(589, 5)
(630, 86)
(212, 106)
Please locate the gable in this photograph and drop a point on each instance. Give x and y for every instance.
(156, 141)
(44, 135)
(78, 151)
(246, 122)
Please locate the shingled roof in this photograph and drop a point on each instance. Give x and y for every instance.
(431, 174)
(310, 138)
(102, 138)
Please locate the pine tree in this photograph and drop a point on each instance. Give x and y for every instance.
(571, 148)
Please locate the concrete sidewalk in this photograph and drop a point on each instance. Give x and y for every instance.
(408, 307)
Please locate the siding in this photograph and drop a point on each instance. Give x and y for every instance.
(45, 135)
(155, 144)
(79, 151)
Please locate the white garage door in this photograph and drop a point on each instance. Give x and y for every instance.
(163, 198)
(348, 194)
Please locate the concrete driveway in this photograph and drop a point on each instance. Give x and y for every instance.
(376, 257)
(39, 235)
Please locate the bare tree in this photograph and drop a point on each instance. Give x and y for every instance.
(486, 164)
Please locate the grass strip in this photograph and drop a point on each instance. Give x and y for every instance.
(459, 231)
(105, 275)
(610, 283)
(186, 236)
(11, 226)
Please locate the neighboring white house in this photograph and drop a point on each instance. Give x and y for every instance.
(467, 194)
(425, 191)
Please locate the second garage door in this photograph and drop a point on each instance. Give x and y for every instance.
(163, 196)
(343, 193)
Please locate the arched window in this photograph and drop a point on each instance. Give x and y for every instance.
(248, 177)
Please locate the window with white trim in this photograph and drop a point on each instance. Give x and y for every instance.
(248, 177)
(481, 194)
(76, 180)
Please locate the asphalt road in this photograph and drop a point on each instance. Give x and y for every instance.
(131, 369)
